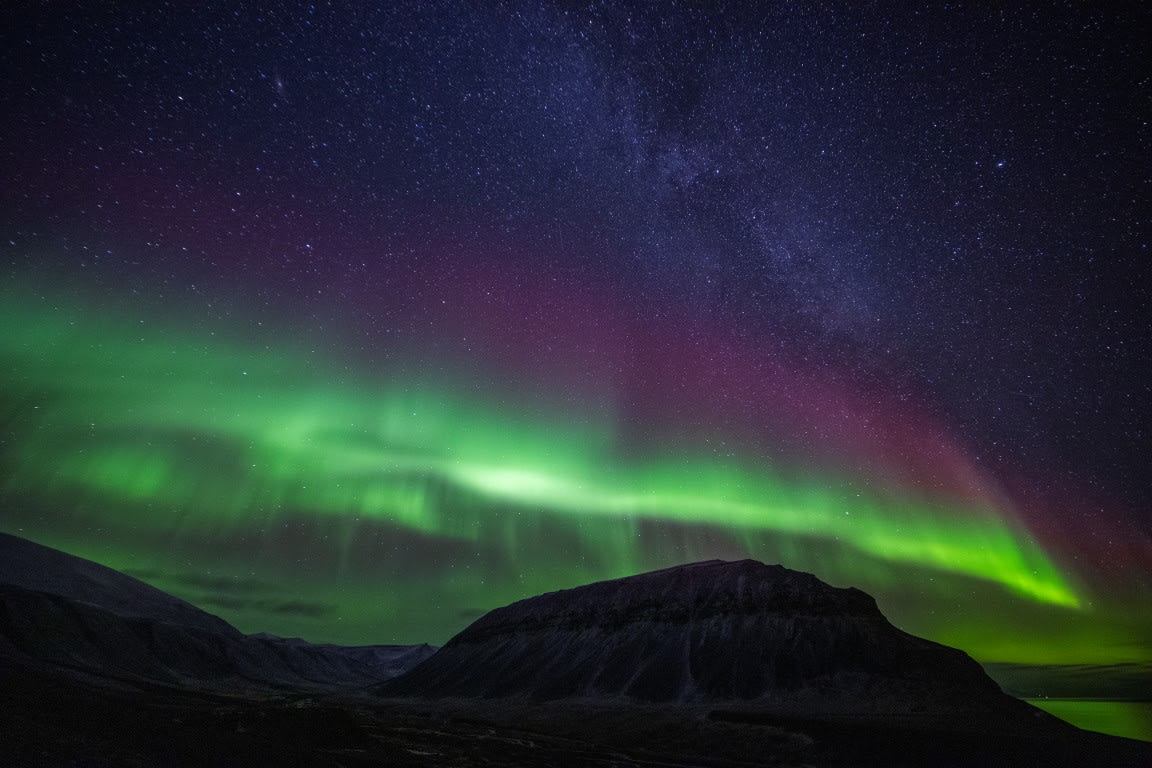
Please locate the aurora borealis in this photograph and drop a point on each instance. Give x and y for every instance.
(355, 324)
(244, 453)
(190, 438)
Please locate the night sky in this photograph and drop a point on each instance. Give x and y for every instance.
(353, 323)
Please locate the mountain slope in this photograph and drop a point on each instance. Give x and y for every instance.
(32, 566)
(63, 613)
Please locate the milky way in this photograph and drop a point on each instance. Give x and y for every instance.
(355, 325)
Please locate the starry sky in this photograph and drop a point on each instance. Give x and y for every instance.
(355, 322)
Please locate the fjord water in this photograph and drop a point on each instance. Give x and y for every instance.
(1132, 719)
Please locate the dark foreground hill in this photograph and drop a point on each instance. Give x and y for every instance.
(75, 616)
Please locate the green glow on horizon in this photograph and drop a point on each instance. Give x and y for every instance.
(214, 436)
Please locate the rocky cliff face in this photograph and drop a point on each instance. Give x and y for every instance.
(713, 631)
(62, 613)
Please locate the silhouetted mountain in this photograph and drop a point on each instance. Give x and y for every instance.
(713, 631)
(62, 612)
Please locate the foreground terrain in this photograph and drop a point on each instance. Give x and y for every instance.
(60, 720)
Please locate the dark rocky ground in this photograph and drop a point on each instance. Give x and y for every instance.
(62, 718)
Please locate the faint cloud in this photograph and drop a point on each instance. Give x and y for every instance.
(305, 608)
(471, 614)
(208, 583)
(234, 593)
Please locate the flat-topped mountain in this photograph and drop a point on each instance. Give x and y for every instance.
(706, 632)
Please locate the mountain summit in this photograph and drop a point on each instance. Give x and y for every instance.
(705, 632)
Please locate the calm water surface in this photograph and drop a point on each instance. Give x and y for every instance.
(1119, 718)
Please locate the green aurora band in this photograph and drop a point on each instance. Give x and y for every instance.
(153, 448)
(273, 440)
